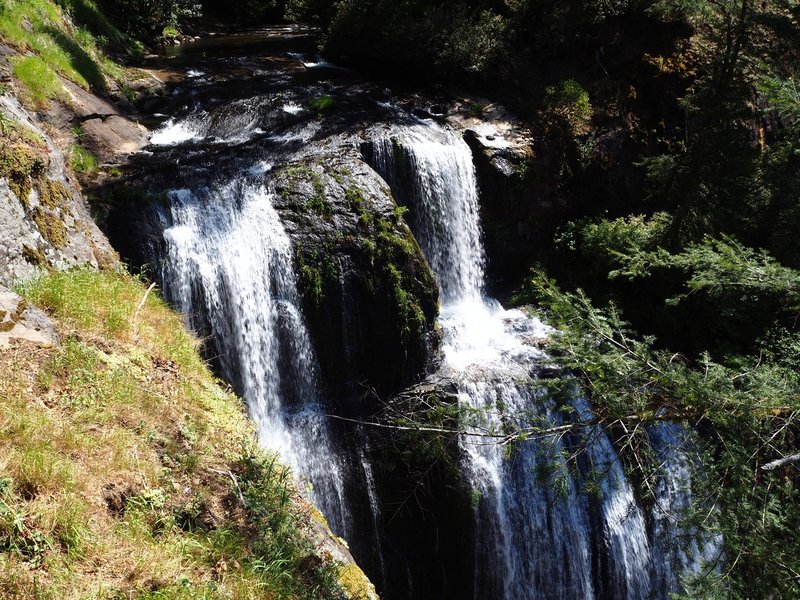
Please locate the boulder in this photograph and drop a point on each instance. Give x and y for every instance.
(20, 322)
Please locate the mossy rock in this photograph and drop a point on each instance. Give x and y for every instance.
(34, 255)
(364, 281)
(356, 584)
(21, 164)
(52, 227)
(53, 194)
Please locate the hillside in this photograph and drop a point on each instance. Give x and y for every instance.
(128, 470)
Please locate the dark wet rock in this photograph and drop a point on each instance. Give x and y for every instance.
(370, 297)
(425, 501)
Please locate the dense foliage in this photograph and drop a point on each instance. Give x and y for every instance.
(745, 407)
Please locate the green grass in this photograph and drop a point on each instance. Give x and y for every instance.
(81, 160)
(59, 47)
(126, 470)
(40, 81)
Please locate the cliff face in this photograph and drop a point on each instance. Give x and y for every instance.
(44, 219)
(369, 294)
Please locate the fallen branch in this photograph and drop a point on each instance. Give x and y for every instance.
(780, 462)
(235, 483)
(140, 307)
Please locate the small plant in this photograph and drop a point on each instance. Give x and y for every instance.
(81, 160)
(568, 102)
(170, 33)
(322, 103)
(476, 109)
(320, 205)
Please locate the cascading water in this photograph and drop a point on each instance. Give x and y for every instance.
(444, 202)
(537, 532)
(230, 269)
(543, 526)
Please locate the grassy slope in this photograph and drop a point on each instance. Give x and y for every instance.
(51, 44)
(127, 471)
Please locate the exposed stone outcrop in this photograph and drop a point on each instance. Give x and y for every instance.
(44, 220)
(21, 322)
(371, 299)
(107, 128)
(329, 547)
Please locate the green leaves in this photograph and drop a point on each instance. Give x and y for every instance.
(569, 102)
(782, 97)
(747, 406)
(719, 268)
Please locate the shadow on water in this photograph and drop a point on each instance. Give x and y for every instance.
(271, 40)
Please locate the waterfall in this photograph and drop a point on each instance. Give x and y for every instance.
(444, 205)
(229, 269)
(542, 529)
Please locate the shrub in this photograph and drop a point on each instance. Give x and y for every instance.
(568, 103)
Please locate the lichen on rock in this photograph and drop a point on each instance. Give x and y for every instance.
(44, 222)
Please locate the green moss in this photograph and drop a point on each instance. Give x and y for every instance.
(316, 274)
(318, 202)
(355, 583)
(52, 194)
(298, 171)
(319, 205)
(51, 227)
(357, 203)
(311, 280)
(322, 103)
(34, 256)
(15, 131)
(412, 317)
(21, 164)
(477, 109)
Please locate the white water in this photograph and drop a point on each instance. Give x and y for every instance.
(292, 108)
(233, 123)
(230, 270)
(444, 205)
(175, 132)
(538, 532)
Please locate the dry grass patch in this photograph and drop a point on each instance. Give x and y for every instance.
(127, 470)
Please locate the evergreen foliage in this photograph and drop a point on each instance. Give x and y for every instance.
(745, 407)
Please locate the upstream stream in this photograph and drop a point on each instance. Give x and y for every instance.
(234, 250)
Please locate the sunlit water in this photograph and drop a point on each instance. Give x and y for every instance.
(230, 270)
(545, 528)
